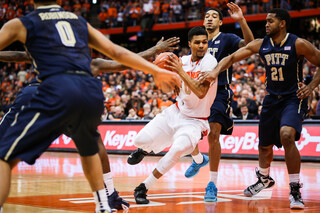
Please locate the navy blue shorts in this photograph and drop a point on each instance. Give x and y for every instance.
(278, 112)
(220, 110)
(61, 101)
(23, 98)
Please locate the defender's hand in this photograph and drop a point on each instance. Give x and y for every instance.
(167, 45)
(304, 91)
(235, 11)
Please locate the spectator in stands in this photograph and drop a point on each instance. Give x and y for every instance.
(245, 115)
(11, 13)
(165, 102)
(257, 117)
(132, 115)
(165, 7)
(156, 10)
(176, 11)
(117, 114)
(134, 14)
(113, 14)
(147, 16)
(147, 114)
(136, 103)
(103, 17)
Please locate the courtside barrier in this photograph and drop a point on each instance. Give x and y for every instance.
(242, 144)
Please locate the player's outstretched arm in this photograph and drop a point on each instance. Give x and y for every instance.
(12, 31)
(14, 56)
(197, 87)
(236, 13)
(243, 53)
(312, 54)
(99, 42)
(102, 65)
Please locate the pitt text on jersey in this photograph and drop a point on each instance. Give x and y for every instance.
(276, 59)
(213, 51)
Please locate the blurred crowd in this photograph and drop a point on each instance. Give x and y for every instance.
(123, 13)
(148, 12)
(131, 94)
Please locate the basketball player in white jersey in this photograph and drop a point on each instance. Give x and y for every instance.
(182, 124)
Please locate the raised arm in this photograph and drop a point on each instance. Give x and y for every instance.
(102, 65)
(14, 56)
(311, 53)
(244, 52)
(99, 42)
(200, 89)
(236, 13)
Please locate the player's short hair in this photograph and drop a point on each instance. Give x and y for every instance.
(42, 1)
(215, 9)
(196, 31)
(282, 14)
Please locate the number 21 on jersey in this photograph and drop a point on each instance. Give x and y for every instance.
(276, 74)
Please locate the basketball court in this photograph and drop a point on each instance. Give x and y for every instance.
(56, 184)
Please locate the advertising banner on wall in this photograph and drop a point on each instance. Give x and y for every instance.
(243, 141)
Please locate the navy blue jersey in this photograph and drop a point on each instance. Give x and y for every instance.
(221, 46)
(283, 66)
(57, 41)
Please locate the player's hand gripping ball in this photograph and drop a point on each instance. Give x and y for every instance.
(161, 59)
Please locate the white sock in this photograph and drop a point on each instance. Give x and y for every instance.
(101, 200)
(213, 177)
(108, 181)
(150, 181)
(294, 178)
(264, 171)
(198, 158)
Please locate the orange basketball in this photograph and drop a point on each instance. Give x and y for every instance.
(161, 59)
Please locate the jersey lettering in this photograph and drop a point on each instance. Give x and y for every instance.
(276, 59)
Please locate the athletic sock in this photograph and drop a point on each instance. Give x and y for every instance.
(108, 181)
(213, 177)
(101, 200)
(198, 158)
(150, 181)
(264, 171)
(294, 178)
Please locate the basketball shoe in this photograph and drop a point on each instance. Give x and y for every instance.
(296, 201)
(195, 168)
(211, 193)
(140, 194)
(117, 203)
(263, 182)
(136, 156)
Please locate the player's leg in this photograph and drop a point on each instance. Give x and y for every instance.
(269, 136)
(293, 162)
(181, 147)
(148, 138)
(114, 200)
(291, 127)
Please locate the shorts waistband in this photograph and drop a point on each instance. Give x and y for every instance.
(78, 72)
(189, 116)
(34, 84)
(279, 96)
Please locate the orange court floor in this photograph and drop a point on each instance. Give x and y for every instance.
(56, 184)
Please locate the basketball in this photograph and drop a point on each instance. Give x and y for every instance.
(161, 59)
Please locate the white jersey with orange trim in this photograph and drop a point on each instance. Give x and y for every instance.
(188, 102)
